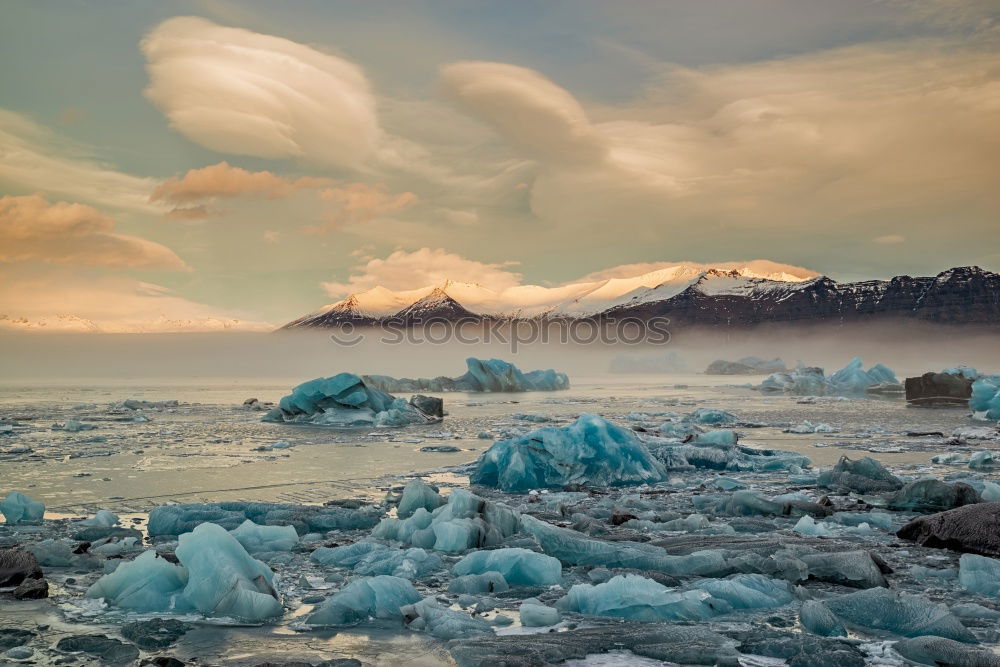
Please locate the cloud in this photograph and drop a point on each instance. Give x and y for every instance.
(831, 138)
(36, 159)
(236, 91)
(889, 239)
(31, 229)
(222, 180)
(360, 202)
(403, 270)
(66, 301)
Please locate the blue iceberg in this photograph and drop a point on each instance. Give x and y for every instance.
(19, 508)
(534, 614)
(173, 520)
(416, 495)
(850, 380)
(880, 609)
(373, 558)
(637, 598)
(979, 574)
(256, 538)
(986, 396)
(590, 451)
(344, 401)
(147, 584)
(369, 597)
(519, 567)
(430, 617)
(483, 375)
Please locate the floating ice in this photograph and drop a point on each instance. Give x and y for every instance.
(519, 567)
(817, 618)
(147, 584)
(718, 450)
(940, 651)
(986, 396)
(809, 427)
(256, 538)
(417, 494)
(370, 597)
(223, 579)
(374, 558)
(979, 574)
(932, 495)
(536, 615)
(590, 451)
(19, 508)
(430, 617)
(710, 416)
(483, 375)
(899, 613)
(103, 519)
(808, 527)
(850, 380)
(864, 476)
(344, 400)
(177, 519)
(745, 366)
(983, 460)
(748, 591)
(487, 582)
(637, 598)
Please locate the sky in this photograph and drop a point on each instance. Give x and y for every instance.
(188, 165)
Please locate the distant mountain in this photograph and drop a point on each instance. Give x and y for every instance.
(689, 295)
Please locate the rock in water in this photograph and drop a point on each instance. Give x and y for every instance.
(429, 405)
(156, 633)
(16, 566)
(32, 589)
(106, 650)
(590, 451)
(938, 389)
(972, 529)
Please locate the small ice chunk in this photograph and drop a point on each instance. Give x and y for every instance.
(19, 508)
(817, 618)
(487, 582)
(416, 495)
(256, 539)
(536, 615)
(900, 613)
(637, 598)
(808, 527)
(378, 597)
(519, 567)
(147, 584)
(437, 621)
(979, 574)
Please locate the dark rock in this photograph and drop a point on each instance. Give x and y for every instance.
(107, 650)
(82, 548)
(799, 649)
(154, 633)
(11, 637)
(32, 589)
(689, 645)
(939, 389)
(162, 661)
(618, 518)
(429, 405)
(971, 529)
(16, 566)
(932, 495)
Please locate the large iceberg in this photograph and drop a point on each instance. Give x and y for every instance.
(986, 396)
(590, 451)
(637, 598)
(850, 380)
(216, 577)
(345, 400)
(483, 375)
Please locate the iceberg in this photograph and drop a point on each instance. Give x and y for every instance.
(985, 398)
(850, 380)
(216, 576)
(748, 591)
(808, 527)
(471, 584)
(636, 598)
(940, 651)
(257, 539)
(369, 597)
(863, 476)
(718, 450)
(903, 614)
(103, 519)
(483, 375)
(817, 618)
(979, 574)
(19, 508)
(519, 567)
(345, 401)
(417, 495)
(430, 617)
(590, 451)
(534, 614)
(745, 366)
(171, 520)
(932, 495)
(373, 558)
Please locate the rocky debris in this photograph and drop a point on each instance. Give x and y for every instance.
(16, 566)
(32, 589)
(429, 405)
(939, 389)
(972, 529)
(107, 650)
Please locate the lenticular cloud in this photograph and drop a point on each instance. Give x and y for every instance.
(241, 92)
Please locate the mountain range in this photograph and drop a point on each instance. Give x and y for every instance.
(688, 295)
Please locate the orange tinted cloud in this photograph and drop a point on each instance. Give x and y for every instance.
(223, 180)
(31, 229)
